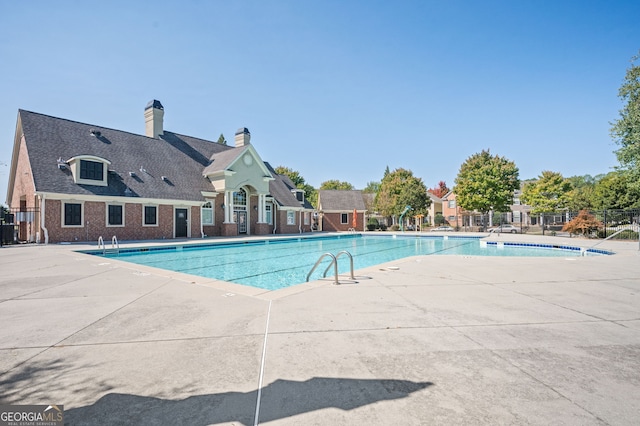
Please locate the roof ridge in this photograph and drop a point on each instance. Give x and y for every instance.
(20, 110)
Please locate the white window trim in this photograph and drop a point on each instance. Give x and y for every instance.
(213, 213)
(307, 220)
(268, 213)
(74, 165)
(143, 215)
(62, 204)
(291, 214)
(106, 212)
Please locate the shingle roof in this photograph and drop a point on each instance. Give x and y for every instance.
(280, 189)
(340, 200)
(221, 160)
(138, 162)
(178, 157)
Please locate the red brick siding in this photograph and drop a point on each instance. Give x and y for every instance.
(331, 222)
(23, 188)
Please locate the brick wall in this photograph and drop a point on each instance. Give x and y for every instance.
(331, 222)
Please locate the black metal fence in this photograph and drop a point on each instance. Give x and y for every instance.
(623, 223)
(18, 225)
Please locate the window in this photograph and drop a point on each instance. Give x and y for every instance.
(452, 219)
(267, 214)
(207, 214)
(240, 200)
(516, 201)
(517, 217)
(72, 214)
(291, 217)
(344, 218)
(452, 204)
(91, 170)
(306, 218)
(150, 215)
(114, 215)
(299, 195)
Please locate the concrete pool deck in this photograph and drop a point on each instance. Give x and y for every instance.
(439, 340)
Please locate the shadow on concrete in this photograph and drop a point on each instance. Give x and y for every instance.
(280, 399)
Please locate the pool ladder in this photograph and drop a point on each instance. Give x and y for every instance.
(334, 263)
(115, 246)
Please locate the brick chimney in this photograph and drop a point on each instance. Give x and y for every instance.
(243, 137)
(153, 119)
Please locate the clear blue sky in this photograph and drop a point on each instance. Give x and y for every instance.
(336, 89)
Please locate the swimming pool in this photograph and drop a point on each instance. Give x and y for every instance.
(278, 263)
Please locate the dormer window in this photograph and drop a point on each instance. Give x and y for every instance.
(89, 170)
(299, 194)
(92, 170)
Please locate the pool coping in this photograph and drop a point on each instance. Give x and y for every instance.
(233, 289)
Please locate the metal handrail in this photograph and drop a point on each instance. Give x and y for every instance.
(333, 261)
(114, 243)
(336, 257)
(584, 251)
(101, 242)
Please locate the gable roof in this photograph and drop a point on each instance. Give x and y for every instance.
(340, 200)
(280, 189)
(434, 197)
(179, 158)
(137, 163)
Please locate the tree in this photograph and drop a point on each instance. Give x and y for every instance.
(372, 187)
(486, 183)
(614, 191)
(399, 189)
(336, 184)
(584, 224)
(581, 195)
(625, 131)
(222, 140)
(441, 190)
(310, 193)
(548, 194)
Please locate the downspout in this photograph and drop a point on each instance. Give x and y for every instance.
(300, 222)
(42, 216)
(275, 217)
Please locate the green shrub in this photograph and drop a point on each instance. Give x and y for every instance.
(395, 227)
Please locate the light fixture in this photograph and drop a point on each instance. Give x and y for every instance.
(222, 206)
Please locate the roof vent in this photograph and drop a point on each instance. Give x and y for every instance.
(61, 163)
(164, 178)
(132, 174)
(128, 192)
(95, 133)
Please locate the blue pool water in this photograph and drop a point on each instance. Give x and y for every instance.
(274, 264)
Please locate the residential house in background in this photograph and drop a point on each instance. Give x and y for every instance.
(451, 211)
(341, 210)
(71, 181)
(434, 208)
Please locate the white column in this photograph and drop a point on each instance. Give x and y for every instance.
(228, 207)
(261, 204)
